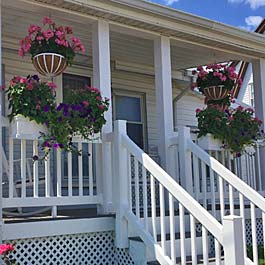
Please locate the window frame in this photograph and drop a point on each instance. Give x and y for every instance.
(143, 114)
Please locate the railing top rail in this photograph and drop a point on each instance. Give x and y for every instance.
(205, 218)
(228, 176)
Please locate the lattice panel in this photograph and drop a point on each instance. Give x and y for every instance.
(259, 230)
(80, 249)
(122, 257)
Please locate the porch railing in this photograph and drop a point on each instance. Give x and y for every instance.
(219, 190)
(173, 201)
(59, 180)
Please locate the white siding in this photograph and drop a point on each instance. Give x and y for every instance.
(185, 109)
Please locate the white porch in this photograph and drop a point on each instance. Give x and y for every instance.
(131, 55)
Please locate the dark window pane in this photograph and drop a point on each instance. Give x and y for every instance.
(74, 82)
(128, 108)
(135, 132)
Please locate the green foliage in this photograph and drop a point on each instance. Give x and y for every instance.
(29, 97)
(236, 128)
(260, 254)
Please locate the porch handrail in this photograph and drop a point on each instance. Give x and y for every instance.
(228, 176)
(202, 174)
(131, 160)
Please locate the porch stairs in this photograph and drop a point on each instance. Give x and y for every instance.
(181, 230)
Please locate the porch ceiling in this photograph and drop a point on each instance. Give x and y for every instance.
(124, 47)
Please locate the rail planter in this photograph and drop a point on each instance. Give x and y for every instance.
(209, 143)
(23, 128)
(49, 64)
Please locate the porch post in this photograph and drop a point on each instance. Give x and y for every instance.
(102, 80)
(258, 69)
(164, 100)
(1, 157)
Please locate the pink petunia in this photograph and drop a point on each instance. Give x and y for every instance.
(33, 28)
(198, 110)
(47, 20)
(21, 52)
(99, 98)
(48, 34)
(39, 38)
(5, 248)
(101, 106)
(85, 103)
(69, 30)
(52, 85)
(29, 86)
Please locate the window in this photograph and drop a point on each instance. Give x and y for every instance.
(131, 107)
(74, 82)
(251, 94)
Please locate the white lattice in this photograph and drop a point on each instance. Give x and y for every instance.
(122, 257)
(80, 249)
(259, 230)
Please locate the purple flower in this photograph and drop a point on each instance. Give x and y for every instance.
(36, 78)
(65, 112)
(60, 119)
(35, 158)
(46, 108)
(46, 144)
(61, 145)
(56, 145)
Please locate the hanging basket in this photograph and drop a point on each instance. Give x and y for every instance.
(215, 92)
(49, 64)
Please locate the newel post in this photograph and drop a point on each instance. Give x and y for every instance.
(120, 184)
(233, 242)
(185, 159)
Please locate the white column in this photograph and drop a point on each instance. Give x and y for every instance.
(102, 80)
(258, 69)
(164, 100)
(233, 240)
(1, 156)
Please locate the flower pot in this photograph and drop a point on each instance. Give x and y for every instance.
(221, 107)
(209, 143)
(215, 92)
(23, 128)
(49, 64)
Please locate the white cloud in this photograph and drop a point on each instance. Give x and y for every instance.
(170, 2)
(254, 4)
(253, 21)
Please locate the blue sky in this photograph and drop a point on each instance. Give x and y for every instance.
(246, 14)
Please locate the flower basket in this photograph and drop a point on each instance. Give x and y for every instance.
(96, 138)
(24, 128)
(210, 143)
(215, 92)
(49, 64)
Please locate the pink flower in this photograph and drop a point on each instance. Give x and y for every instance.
(60, 34)
(240, 108)
(194, 72)
(98, 98)
(47, 20)
(29, 86)
(33, 28)
(68, 30)
(101, 106)
(21, 52)
(85, 103)
(200, 68)
(22, 80)
(223, 78)
(39, 38)
(2, 88)
(48, 34)
(233, 100)
(198, 111)
(5, 248)
(52, 85)
(38, 107)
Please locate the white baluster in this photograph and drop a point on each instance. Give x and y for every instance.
(35, 170)
(254, 233)
(23, 168)
(11, 168)
(80, 169)
(136, 178)
(145, 206)
(70, 174)
(90, 169)
(47, 176)
(205, 246)
(242, 214)
(153, 206)
(196, 177)
(204, 184)
(172, 230)
(221, 192)
(162, 217)
(182, 234)
(193, 240)
(59, 172)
